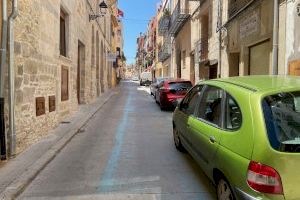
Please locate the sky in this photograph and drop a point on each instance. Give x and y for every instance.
(136, 16)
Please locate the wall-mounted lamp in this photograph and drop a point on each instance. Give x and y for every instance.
(103, 9)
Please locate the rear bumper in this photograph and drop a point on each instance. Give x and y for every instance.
(169, 102)
(241, 195)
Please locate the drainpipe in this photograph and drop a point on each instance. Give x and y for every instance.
(220, 38)
(2, 64)
(11, 74)
(275, 38)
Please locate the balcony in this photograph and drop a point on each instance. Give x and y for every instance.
(179, 16)
(201, 50)
(165, 51)
(235, 6)
(164, 24)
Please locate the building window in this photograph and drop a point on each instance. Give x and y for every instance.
(63, 33)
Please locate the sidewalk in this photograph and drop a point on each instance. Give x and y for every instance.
(17, 173)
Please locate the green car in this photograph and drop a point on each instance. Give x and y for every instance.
(244, 132)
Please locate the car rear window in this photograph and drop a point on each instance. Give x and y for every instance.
(282, 117)
(180, 85)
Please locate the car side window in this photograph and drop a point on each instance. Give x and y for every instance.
(210, 108)
(233, 114)
(161, 84)
(190, 101)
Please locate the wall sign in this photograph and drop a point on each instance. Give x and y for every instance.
(249, 25)
(111, 57)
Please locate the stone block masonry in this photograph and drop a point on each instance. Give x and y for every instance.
(38, 63)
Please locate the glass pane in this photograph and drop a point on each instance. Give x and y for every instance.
(180, 85)
(233, 114)
(190, 102)
(282, 117)
(211, 105)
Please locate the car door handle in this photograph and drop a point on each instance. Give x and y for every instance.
(212, 139)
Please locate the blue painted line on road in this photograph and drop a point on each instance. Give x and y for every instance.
(107, 177)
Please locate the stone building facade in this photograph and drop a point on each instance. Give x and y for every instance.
(213, 38)
(289, 37)
(60, 63)
(247, 38)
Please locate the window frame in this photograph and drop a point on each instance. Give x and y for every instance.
(227, 95)
(63, 41)
(197, 111)
(188, 95)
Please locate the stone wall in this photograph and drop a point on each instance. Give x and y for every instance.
(38, 63)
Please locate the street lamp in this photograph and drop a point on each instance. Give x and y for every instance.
(103, 8)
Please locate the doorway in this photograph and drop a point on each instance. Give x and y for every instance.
(192, 72)
(178, 64)
(80, 72)
(259, 61)
(213, 71)
(234, 64)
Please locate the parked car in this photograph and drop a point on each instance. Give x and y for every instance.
(135, 78)
(146, 78)
(245, 134)
(155, 83)
(170, 90)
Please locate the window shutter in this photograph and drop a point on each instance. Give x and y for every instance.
(64, 83)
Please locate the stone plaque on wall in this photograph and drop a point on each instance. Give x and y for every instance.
(249, 25)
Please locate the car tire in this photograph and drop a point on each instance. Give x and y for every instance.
(224, 191)
(161, 107)
(177, 141)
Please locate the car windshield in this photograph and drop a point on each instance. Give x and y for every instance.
(180, 85)
(282, 117)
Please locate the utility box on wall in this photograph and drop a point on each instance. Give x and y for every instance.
(294, 68)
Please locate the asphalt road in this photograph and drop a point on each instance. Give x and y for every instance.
(126, 151)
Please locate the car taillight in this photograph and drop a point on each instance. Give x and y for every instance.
(264, 179)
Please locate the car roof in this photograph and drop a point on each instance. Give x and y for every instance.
(176, 80)
(262, 83)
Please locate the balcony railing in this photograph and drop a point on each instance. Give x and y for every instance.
(201, 50)
(235, 6)
(180, 15)
(164, 24)
(165, 51)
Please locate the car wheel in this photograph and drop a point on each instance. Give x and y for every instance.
(224, 191)
(161, 107)
(177, 141)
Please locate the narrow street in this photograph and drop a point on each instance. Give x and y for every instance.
(126, 151)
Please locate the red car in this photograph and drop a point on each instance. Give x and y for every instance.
(170, 90)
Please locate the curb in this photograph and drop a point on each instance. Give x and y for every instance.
(20, 184)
